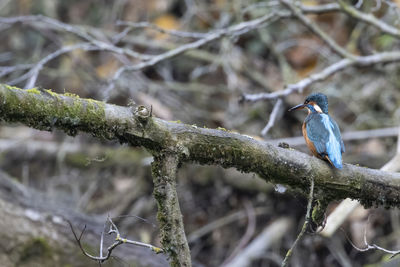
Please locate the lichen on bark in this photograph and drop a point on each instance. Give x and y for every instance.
(172, 234)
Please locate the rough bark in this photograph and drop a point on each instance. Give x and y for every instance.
(173, 238)
(45, 110)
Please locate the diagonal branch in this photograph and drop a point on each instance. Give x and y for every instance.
(305, 225)
(360, 61)
(46, 110)
(84, 33)
(145, 24)
(272, 117)
(238, 29)
(317, 30)
(301, 85)
(33, 73)
(370, 19)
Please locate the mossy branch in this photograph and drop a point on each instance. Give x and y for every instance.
(172, 233)
(46, 110)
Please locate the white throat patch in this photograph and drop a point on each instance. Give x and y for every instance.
(317, 108)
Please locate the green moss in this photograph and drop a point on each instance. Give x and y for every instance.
(166, 204)
(318, 212)
(33, 91)
(71, 95)
(49, 91)
(78, 160)
(12, 87)
(36, 248)
(45, 109)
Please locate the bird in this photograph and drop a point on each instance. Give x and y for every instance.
(321, 132)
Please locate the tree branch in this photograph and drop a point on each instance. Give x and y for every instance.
(272, 117)
(118, 241)
(238, 29)
(46, 110)
(317, 30)
(360, 61)
(169, 215)
(145, 24)
(305, 225)
(85, 33)
(370, 19)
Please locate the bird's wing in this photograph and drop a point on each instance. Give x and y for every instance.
(336, 132)
(320, 130)
(317, 133)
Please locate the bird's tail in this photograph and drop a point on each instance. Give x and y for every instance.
(336, 163)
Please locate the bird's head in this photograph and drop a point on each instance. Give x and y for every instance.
(315, 102)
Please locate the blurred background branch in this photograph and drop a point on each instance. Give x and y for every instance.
(192, 61)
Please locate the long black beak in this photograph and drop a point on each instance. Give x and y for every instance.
(300, 106)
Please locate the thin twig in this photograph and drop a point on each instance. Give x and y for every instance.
(251, 225)
(370, 19)
(272, 117)
(145, 24)
(235, 30)
(368, 246)
(79, 31)
(102, 240)
(317, 30)
(4, 70)
(360, 61)
(305, 225)
(118, 241)
(261, 244)
(33, 73)
(301, 85)
(319, 9)
(208, 228)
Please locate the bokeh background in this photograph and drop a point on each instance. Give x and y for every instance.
(86, 179)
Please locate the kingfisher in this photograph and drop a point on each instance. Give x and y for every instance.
(320, 131)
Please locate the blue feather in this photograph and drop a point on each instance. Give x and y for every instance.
(333, 146)
(325, 135)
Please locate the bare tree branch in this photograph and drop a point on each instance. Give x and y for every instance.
(33, 73)
(305, 225)
(315, 29)
(238, 29)
(82, 32)
(320, 9)
(118, 241)
(360, 61)
(369, 246)
(198, 233)
(369, 18)
(145, 24)
(272, 117)
(251, 225)
(259, 246)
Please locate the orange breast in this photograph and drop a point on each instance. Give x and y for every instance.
(310, 144)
